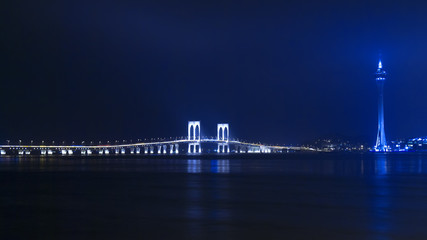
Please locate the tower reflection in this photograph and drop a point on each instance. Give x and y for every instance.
(381, 167)
(381, 198)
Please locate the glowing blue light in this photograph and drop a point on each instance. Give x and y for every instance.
(380, 65)
(194, 166)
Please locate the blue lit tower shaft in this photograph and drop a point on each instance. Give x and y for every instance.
(381, 144)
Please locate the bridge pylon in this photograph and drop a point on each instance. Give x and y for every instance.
(223, 136)
(194, 136)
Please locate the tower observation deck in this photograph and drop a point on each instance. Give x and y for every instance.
(381, 143)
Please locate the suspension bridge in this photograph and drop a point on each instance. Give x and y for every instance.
(193, 144)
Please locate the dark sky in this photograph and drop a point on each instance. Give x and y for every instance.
(278, 72)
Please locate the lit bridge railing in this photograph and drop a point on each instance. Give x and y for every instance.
(147, 147)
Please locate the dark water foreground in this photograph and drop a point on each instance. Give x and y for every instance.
(302, 196)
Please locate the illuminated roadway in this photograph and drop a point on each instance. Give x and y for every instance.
(151, 144)
(194, 143)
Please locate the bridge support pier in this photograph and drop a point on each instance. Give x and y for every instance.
(223, 148)
(243, 149)
(194, 147)
(264, 149)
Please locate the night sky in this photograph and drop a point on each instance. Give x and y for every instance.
(278, 72)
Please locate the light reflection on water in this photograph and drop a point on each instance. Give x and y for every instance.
(220, 166)
(194, 166)
(315, 164)
(216, 166)
(300, 196)
(381, 164)
(381, 199)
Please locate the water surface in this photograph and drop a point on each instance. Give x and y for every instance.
(296, 196)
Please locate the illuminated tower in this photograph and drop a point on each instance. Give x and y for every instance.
(381, 144)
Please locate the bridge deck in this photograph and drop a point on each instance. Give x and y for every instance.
(147, 144)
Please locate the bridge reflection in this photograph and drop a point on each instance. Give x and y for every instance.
(215, 166)
(207, 198)
(220, 166)
(194, 166)
(366, 165)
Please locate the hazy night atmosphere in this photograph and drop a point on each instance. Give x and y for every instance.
(213, 119)
(279, 72)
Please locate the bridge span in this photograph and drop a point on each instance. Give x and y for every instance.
(194, 144)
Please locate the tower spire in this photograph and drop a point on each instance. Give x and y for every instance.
(381, 143)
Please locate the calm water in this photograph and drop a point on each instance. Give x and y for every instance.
(306, 196)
